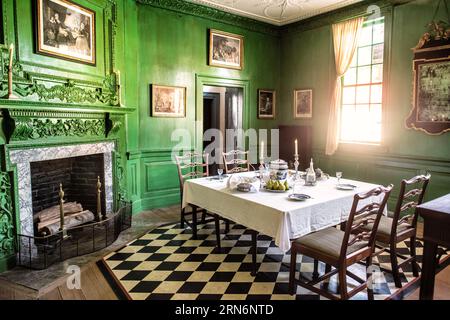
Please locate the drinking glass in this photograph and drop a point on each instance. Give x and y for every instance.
(339, 176)
(220, 172)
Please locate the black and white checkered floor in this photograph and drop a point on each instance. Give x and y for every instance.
(166, 264)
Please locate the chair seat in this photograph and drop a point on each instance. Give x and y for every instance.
(328, 242)
(385, 227)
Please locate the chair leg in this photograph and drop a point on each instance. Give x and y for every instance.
(394, 265)
(412, 249)
(194, 222)
(370, 295)
(182, 218)
(227, 226)
(343, 283)
(315, 274)
(326, 282)
(217, 223)
(203, 217)
(292, 267)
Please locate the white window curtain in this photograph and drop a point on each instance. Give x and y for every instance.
(345, 40)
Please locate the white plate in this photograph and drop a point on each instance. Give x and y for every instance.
(298, 197)
(346, 186)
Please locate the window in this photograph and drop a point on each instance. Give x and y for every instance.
(362, 89)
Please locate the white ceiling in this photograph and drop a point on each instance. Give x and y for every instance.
(277, 12)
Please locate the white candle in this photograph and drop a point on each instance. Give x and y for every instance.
(261, 151)
(296, 147)
(11, 53)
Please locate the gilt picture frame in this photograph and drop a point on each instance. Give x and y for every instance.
(303, 102)
(266, 104)
(226, 50)
(168, 101)
(431, 108)
(66, 30)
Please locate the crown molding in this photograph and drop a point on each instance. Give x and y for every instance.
(277, 21)
(328, 18)
(214, 14)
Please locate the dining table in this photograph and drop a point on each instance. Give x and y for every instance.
(274, 214)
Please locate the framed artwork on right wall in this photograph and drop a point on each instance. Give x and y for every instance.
(302, 103)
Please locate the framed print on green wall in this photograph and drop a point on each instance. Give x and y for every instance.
(65, 30)
(266, 104)
(302, 103)
(226, 50)
(168, 101)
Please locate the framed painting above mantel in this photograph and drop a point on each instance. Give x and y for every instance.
(65, 30)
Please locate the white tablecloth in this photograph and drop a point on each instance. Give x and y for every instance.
(273, 214)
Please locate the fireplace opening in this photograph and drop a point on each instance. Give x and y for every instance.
(78, 177)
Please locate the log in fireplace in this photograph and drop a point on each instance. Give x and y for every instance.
(78, 177)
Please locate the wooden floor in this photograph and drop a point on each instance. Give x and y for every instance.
(94, 285)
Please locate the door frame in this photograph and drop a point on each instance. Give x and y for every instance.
(204, 80)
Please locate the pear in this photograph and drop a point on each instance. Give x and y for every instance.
(279, 185)
(282, 187)
(286, 185)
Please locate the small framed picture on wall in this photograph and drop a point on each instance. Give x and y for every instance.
(226, 50)
(168, 101)
(302, 103)
(266, 104)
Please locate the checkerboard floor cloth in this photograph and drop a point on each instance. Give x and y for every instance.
(166, 264)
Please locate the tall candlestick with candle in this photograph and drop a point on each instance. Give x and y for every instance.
(10, 74)
(261, 162)
(296, 163)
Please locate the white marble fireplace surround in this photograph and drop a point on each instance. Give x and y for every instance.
(23, 157)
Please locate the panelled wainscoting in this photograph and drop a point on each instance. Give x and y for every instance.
(153, 179)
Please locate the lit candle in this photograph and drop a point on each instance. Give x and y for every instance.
(11, 53)
(261, 151)
(296, 147)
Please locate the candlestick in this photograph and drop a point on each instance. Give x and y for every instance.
(61, 213)
(10, 94)
(99, 201)
(296, 164)
(61, 207)
(11, 54)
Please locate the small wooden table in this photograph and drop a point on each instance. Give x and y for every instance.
(436, 216)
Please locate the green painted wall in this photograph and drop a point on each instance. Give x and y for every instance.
(406, 152)
(173, 50)
(69, 87)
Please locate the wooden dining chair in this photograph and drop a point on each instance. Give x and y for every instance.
(236, 161)
(193, 165)
(341, 249)
(402, 225)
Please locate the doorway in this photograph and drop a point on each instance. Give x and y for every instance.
(222, 110)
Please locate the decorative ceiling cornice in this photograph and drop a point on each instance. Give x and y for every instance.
(270, 13)
(213, 14)
(331, 17)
